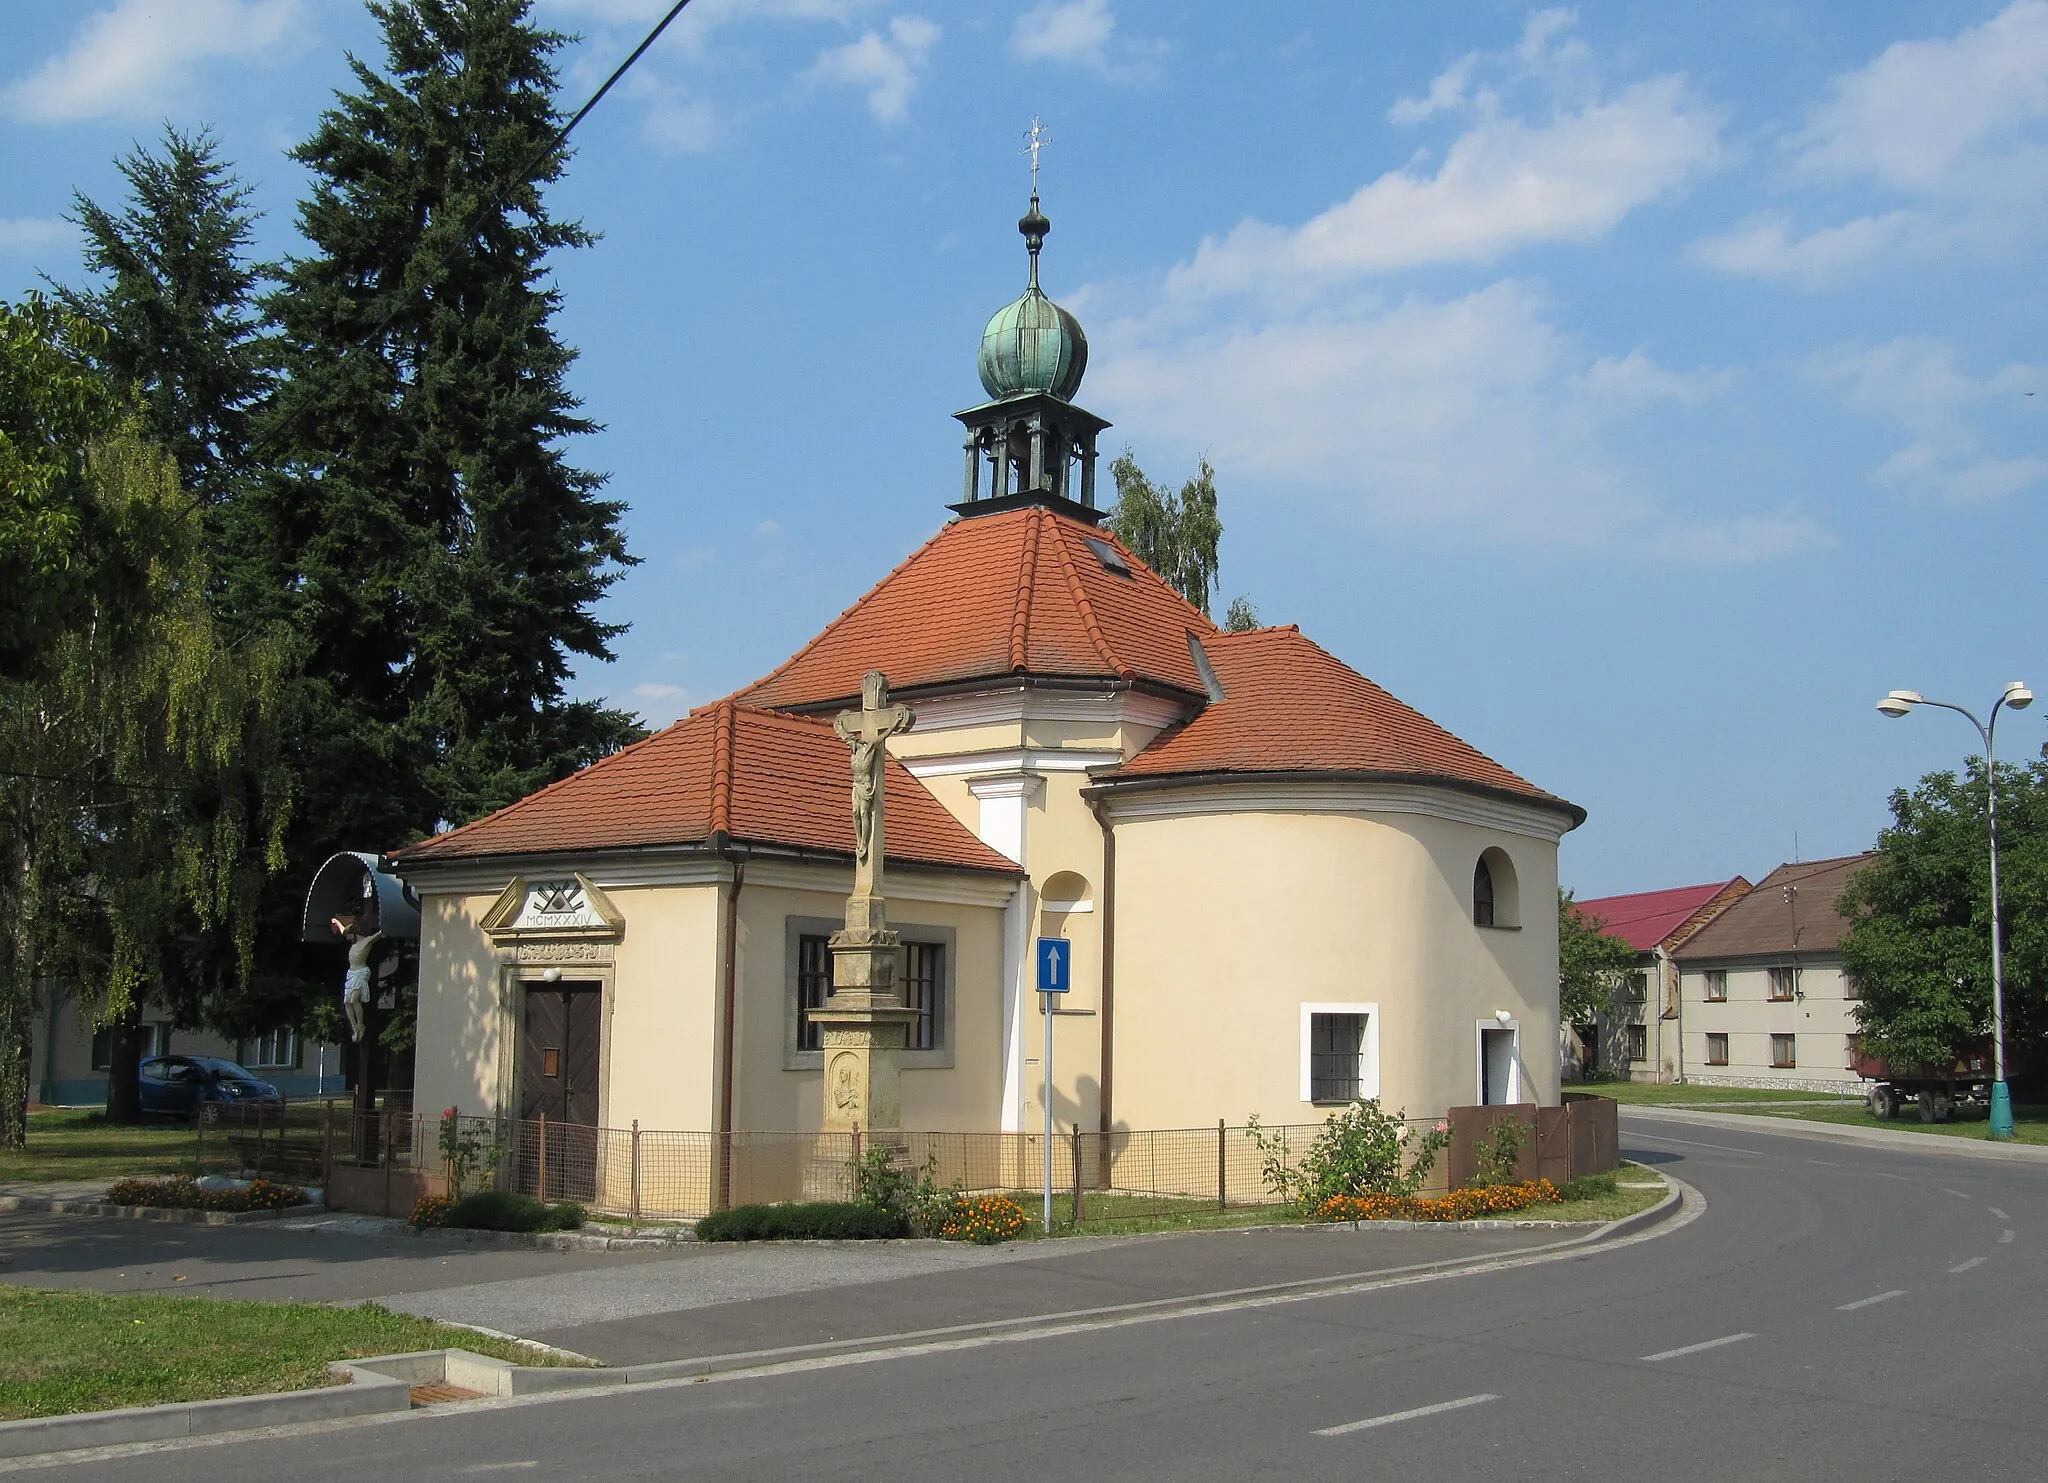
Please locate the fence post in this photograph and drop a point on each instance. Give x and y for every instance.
(1077, 1176)
(388, 1130)
(636, 1168)
(327, 1152)
(1222, 1163)
(724, 1170)
(542, 1182)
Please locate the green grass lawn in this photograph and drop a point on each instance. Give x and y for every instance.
(62, 1352)
(1654, 1094)
(81, 1144)
(2030, 1124)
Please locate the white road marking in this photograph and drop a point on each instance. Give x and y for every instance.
(1695, 1143)
(1662, 1354)
(1975, 1261)
(500, 1467)
(2005, 1238)
(1883, 1297)
(1956, 1192)
(1997, 1212)
(1393, 1416)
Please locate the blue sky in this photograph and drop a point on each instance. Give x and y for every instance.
(1639, 391)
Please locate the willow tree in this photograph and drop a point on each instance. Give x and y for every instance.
(138, 748)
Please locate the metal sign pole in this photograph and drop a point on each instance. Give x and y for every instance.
(1046, 1001)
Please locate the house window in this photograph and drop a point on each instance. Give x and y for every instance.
(1637, 1037)
(924, 990)
(1717, 985)
(1849, 988)
(1638, 987)
(813, 987)
(277, 1050)
(1717, 1050)
(156, 1041)
(103, 1050)
(1783, 983)
(1336, 1057)
(1784, 1052)
(1482, 894)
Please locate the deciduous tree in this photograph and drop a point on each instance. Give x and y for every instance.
(1591, 965)
(1919, 940)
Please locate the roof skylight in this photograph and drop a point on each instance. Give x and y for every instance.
(1111, 558)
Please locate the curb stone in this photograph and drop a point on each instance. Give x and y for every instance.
(55, 1205)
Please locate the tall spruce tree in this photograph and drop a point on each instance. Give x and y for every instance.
(437, 554)
(173, 297)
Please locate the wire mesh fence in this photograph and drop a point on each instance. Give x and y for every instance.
(667, 1175)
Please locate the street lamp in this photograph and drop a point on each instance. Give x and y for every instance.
(2016, 697)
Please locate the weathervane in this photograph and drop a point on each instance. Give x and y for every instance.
(1035, 139)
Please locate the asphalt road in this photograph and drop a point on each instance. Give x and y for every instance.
(1838, 1312)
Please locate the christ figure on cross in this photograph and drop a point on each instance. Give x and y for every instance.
(867, 731)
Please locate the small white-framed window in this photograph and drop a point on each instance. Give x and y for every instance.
(275, 1050)
(1340, 1053)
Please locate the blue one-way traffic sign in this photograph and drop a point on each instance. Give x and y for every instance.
(1055, 957)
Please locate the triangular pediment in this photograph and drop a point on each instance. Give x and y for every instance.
(565, 905)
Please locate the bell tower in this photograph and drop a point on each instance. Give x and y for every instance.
(1028, 443)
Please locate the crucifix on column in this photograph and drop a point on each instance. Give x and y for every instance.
(865, 1023)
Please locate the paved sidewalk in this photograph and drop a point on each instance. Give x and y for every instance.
(683, 1302)
(1928, 1143)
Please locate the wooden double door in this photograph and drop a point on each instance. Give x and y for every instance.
(560, 1040)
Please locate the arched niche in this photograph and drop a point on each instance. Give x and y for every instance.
(1496, 893)
(1064, 894)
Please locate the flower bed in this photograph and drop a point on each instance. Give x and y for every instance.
(983, 1219)
(182, 1192)
(1479, 1202)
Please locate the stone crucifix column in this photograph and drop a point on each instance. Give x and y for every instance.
(865, 1022)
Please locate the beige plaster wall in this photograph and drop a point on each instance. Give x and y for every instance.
(962, 1098)
(1227, 924)
(1823, 1020)
(460, 1058)
(661, 1015)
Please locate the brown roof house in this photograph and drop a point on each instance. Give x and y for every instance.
(1762, 997)
(1278, 887)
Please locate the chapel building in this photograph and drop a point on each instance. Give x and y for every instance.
(1283, 888)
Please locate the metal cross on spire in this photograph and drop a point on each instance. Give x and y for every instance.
(1035, 139)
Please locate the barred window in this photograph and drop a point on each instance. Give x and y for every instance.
(1336, 1046)
(1638, 987)
(924, 990)
(1717, 1050)
(1638, 1043)
(813, 987)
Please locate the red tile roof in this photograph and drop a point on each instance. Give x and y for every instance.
(1290, 706)
(1648, 919)
(758, 776)
(1021, 592)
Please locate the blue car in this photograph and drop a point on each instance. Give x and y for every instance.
(179, 1086)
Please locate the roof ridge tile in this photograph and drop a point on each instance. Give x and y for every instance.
(1088, 618)
(1020, 620)
(722, 739)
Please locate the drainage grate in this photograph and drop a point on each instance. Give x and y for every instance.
(434, 1395)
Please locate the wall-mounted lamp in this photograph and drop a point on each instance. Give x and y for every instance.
(1503, 1015)
(553, 976)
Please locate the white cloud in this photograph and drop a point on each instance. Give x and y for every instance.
(1505, 183)
(1958, 126)
(1472, 417)
(32, 233)
(768, 530)
(1446, 92)
(676, 121)
(136, 57)
(1076, 31)
(1917, 384)
(886, 65)
(1765, 246)
(1913, 116)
